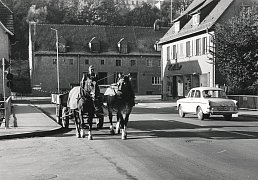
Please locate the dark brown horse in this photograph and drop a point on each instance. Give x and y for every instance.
(80, 101)
(122, 103)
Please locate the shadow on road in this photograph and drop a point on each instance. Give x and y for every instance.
(175, 129)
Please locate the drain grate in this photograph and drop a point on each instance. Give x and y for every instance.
(44, 176)
(198, 141)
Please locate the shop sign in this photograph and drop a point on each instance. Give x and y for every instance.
(173, 67)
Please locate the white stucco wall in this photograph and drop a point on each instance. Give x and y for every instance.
(203, 59)
(4, 53)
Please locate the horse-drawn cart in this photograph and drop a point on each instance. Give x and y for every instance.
(63, 114)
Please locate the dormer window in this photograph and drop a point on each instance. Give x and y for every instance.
(62, 45)
(177, 26)
(122, 46)
(157, 47)
(62, 48)
(94, 45)
(196, 19)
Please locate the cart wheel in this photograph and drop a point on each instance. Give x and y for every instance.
(59, 114)
(101, 122)
(65, 117)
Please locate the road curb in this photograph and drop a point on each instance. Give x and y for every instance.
(33, 134)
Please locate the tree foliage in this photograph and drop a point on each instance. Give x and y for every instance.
(178, 6)
(95, 12)
(144, 15)
(237, 52)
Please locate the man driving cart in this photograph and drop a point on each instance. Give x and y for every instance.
(98, 101)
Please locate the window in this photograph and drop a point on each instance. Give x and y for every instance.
(168, 53)
(102, 61)
(149, 63)
(177, 26)
(198, 47)
(94, 45)
(174, 52)
(133, 62)
(188, 49)
(54, 61)
(181, 50)
(211, 43)
(197, 94)
(124, 49)
(71, 61)
(132, 2)
(192, 93)
(196, 19)
(155, 80)
(204, 45)
(118, 62)
(86, 61)
(159, 63)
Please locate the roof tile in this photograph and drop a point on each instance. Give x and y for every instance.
(6, 16)
(140, 39)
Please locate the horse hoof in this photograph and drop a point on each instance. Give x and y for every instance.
(90, 138)
(124, 137)
(112, 132)
(82, 133)
(78, 135)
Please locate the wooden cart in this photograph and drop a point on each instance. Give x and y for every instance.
(63, 114)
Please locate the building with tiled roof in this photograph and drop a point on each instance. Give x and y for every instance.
(186, 59)
(6, 34)
(111, 49)
(6, 17)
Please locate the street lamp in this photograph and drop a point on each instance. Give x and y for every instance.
(57, 62)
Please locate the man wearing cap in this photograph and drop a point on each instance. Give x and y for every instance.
(98, 101)
(92, 74)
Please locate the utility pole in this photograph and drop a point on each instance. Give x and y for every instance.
(57, 62)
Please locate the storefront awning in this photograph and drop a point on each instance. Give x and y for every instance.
(183, 68)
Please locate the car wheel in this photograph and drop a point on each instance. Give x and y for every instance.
(200, 113)
(181, 112)
(228, 117)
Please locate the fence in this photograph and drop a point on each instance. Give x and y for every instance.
(6, 111)
(246, 101)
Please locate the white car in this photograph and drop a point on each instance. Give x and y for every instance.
(206, 101)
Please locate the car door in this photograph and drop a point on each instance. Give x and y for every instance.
(188, 103)
(196, 100)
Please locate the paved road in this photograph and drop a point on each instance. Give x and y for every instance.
(160, 145)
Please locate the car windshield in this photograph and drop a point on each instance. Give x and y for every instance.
(214, 94)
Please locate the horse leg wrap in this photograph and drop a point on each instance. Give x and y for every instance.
(83, 133)
(124, 136)
(118, 127)
(90, 136)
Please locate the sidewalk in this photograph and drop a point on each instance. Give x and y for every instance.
(31, 121)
